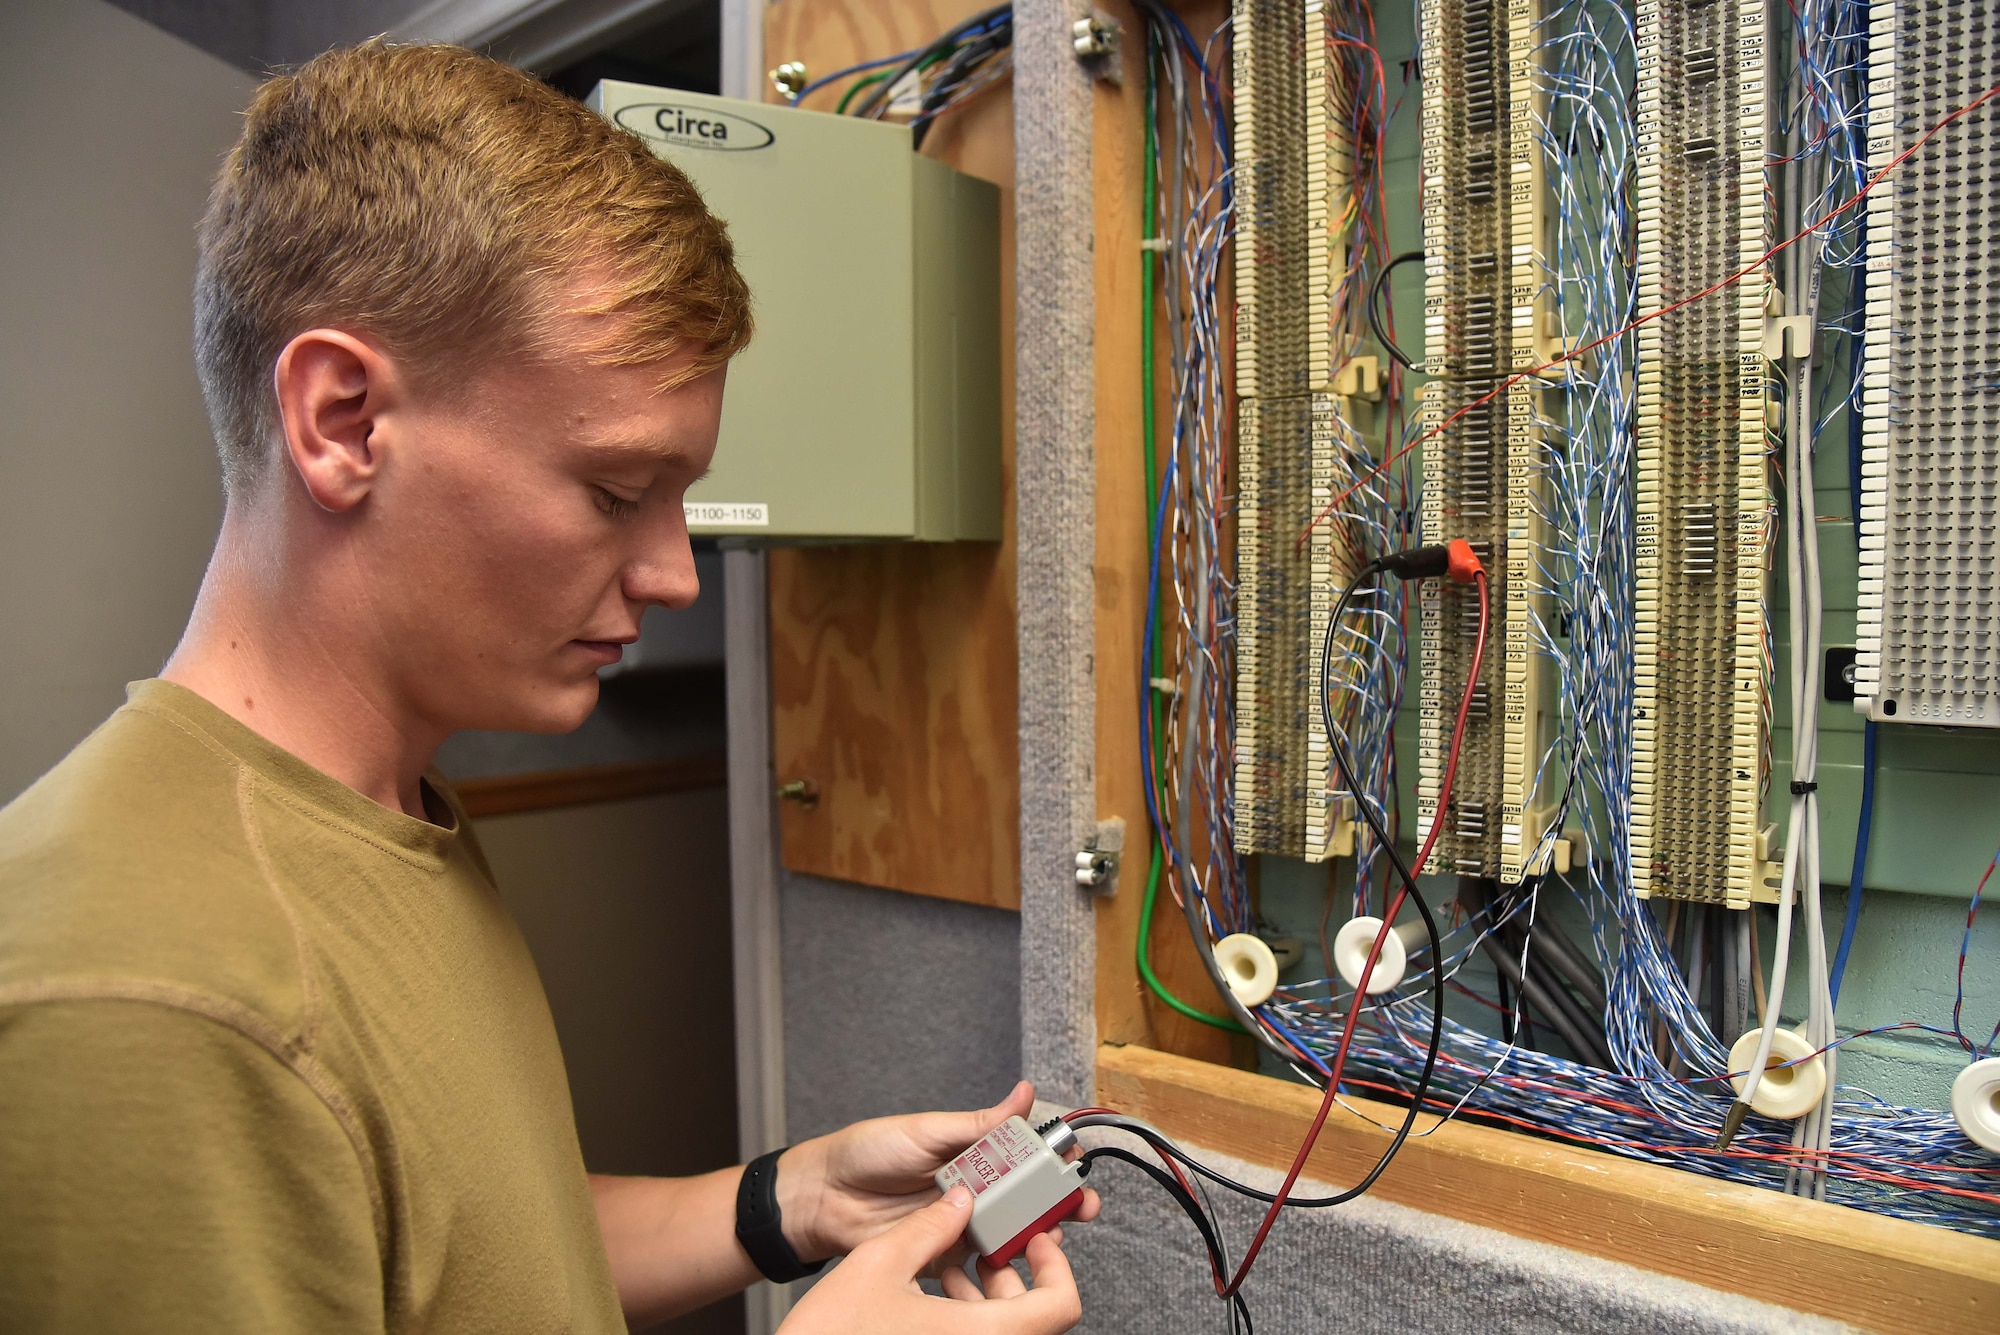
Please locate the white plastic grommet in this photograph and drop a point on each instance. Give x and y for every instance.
(1351, 947)
(1975, 1102)
(1249, 967)
(1785, 1091)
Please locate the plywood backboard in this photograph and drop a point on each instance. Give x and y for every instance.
(893, 676)
(1127, 1012)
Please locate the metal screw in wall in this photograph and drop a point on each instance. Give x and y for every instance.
(790, 79)
(1097, 860)
(802, 791)
(1096, 42)
(1096, 868)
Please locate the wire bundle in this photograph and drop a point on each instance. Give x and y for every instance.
(1655, 1104)
(1363, 675)
(1653, 984)
(929, 81)
(1187, 727)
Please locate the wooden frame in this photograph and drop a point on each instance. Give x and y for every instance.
(1862, 1268)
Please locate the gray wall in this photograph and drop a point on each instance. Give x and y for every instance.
(894, 1003)
(109, 491)
(258, 35)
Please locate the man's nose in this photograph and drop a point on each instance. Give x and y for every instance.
(667, 578)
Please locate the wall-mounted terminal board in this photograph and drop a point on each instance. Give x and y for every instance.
(1641, 235)
(1315, 502)
(1929, 620)
(868, 404)
(1627, 378)
(1704, 506)
(1303, 426)
(1288, 428)
(1483, 326)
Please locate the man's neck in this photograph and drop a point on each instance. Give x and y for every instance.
(288, 670)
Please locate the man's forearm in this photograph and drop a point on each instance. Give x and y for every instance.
(672, 1241)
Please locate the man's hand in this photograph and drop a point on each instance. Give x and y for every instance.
(874, 1291)
(672, 1241)
(839, 1191)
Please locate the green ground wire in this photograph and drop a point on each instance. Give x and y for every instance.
(1146, 966)
(856, 87)
(874, 79)
(1153, 701)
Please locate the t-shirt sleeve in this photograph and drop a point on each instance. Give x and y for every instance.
(160, 1171)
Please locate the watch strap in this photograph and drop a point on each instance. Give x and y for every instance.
(760, 1225)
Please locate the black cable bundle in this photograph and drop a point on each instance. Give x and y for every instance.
(997, 38)
(1543, 967)
(1211, 1236)
(990, 32)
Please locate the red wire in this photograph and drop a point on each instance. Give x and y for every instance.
(1789, 1156)
(1173, 1166)
(1374, 952)
(1706, 292)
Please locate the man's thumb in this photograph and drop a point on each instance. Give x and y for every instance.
(925, 1235)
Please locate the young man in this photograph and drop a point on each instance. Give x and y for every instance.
(273, 1056)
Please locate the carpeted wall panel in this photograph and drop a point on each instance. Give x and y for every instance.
(894, 1003)
(1375, 1266)
(1054, 485)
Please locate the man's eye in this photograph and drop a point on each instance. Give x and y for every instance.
(611, 503)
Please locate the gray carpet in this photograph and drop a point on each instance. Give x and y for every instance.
(894, 1003)
(1054, 401)
(1372, 1266)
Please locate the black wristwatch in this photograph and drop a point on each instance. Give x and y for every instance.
(760, 1226)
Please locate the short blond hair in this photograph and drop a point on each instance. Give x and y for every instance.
(438, 200)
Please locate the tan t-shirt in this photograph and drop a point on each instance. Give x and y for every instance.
(272, 1057)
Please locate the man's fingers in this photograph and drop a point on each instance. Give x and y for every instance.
(925, 1235)
(1092, 1203)
(959, 1286)
(1051, 1272)
(943, 1134)
(1052, 1305)
(1001, 1281)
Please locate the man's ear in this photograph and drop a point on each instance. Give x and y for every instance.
(332, 389)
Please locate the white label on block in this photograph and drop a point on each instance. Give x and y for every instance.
(737, 514)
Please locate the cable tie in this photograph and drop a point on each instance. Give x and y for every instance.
(1800, 789)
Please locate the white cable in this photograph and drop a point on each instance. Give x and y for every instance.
(1805, 614)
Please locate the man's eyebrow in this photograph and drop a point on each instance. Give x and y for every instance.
(633, 450)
